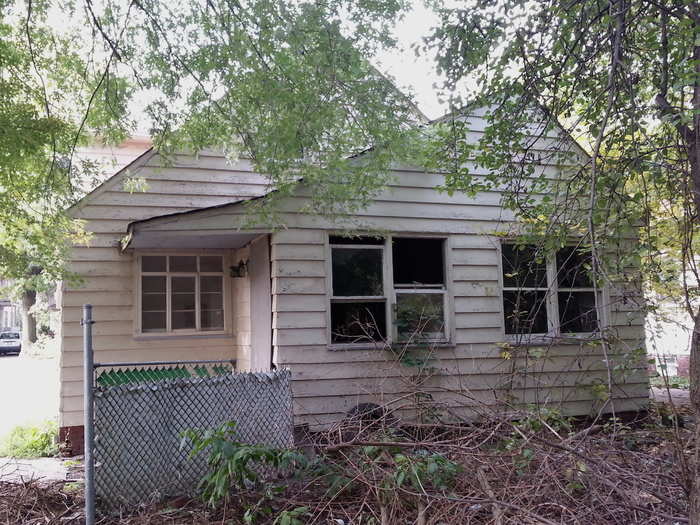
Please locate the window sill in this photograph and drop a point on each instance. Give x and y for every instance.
(539, 340)
(172, 336)
(339, 347)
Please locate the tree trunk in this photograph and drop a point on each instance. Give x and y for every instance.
(28, 319)
(694, 495)
(692, 140)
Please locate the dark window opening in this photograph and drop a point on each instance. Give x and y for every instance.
(358, 322)
(530, 297)
(573, 268)
(418, 261)
(577, 312)
(523, 267)
(525, 312)
(357, 272)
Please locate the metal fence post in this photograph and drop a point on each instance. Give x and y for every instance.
(88, 380)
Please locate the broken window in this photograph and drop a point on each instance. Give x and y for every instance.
(419, 285)
(547, 294)
(361, 285)
(575, 294)
(524, 290)
(181, 293)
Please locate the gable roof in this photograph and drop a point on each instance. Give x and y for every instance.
(114, 179)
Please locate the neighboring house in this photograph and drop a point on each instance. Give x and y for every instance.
(10, 315)
(669, 331)
(192, 283)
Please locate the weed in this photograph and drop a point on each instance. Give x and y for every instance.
(73, 486)
(31, 441)
(236, 466)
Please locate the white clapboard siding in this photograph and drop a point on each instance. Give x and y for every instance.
(107, 274)
(471, 371)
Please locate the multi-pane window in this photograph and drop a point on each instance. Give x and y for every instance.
(387, 288)
(547, 294)
(182, 293)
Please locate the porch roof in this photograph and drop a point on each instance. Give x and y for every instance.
(186, 230)
(189, 240)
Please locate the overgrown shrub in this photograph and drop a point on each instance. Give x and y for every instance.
(31, 441)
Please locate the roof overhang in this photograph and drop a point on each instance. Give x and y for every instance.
(184, 230)
(145, 240)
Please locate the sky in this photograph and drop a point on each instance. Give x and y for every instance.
(414, 74)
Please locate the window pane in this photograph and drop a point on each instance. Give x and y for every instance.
(358, 322)
(577, 312)
(153, 283)
(212, 319)
(153, 263)
(153, 302)
(357, 272)
(183, 263)
(211, 263)
(523, 267)
(573, 267)
(182, 284)
(210, 283)
(418, 261)
(183, 320)
(153, 321)
(211, 301)
(525, 312)
(420, 316)
(183, 302)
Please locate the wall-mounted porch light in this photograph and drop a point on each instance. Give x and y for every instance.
(240, 269)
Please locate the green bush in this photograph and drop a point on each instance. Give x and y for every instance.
(31, 441)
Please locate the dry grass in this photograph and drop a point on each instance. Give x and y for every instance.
(497, 472)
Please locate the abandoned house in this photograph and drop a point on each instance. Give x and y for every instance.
(172, 274)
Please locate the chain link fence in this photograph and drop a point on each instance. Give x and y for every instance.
(141, 412)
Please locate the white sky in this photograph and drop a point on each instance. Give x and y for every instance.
(415, 74)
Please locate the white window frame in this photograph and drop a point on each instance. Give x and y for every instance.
(390, 290)
(552, 304)
(169, 331)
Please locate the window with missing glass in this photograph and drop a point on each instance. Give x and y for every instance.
(181, 293)
(548, 294)
(385, 289)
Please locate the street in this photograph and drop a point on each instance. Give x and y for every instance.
(28, 391)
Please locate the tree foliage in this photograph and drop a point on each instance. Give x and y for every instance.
(286, 84)
(52, 95)
(619, 76)
(624, 76)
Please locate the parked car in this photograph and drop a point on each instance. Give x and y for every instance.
(10, 343)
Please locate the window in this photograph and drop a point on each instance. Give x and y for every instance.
(387, 288)
(181, 293)
(545, 294)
